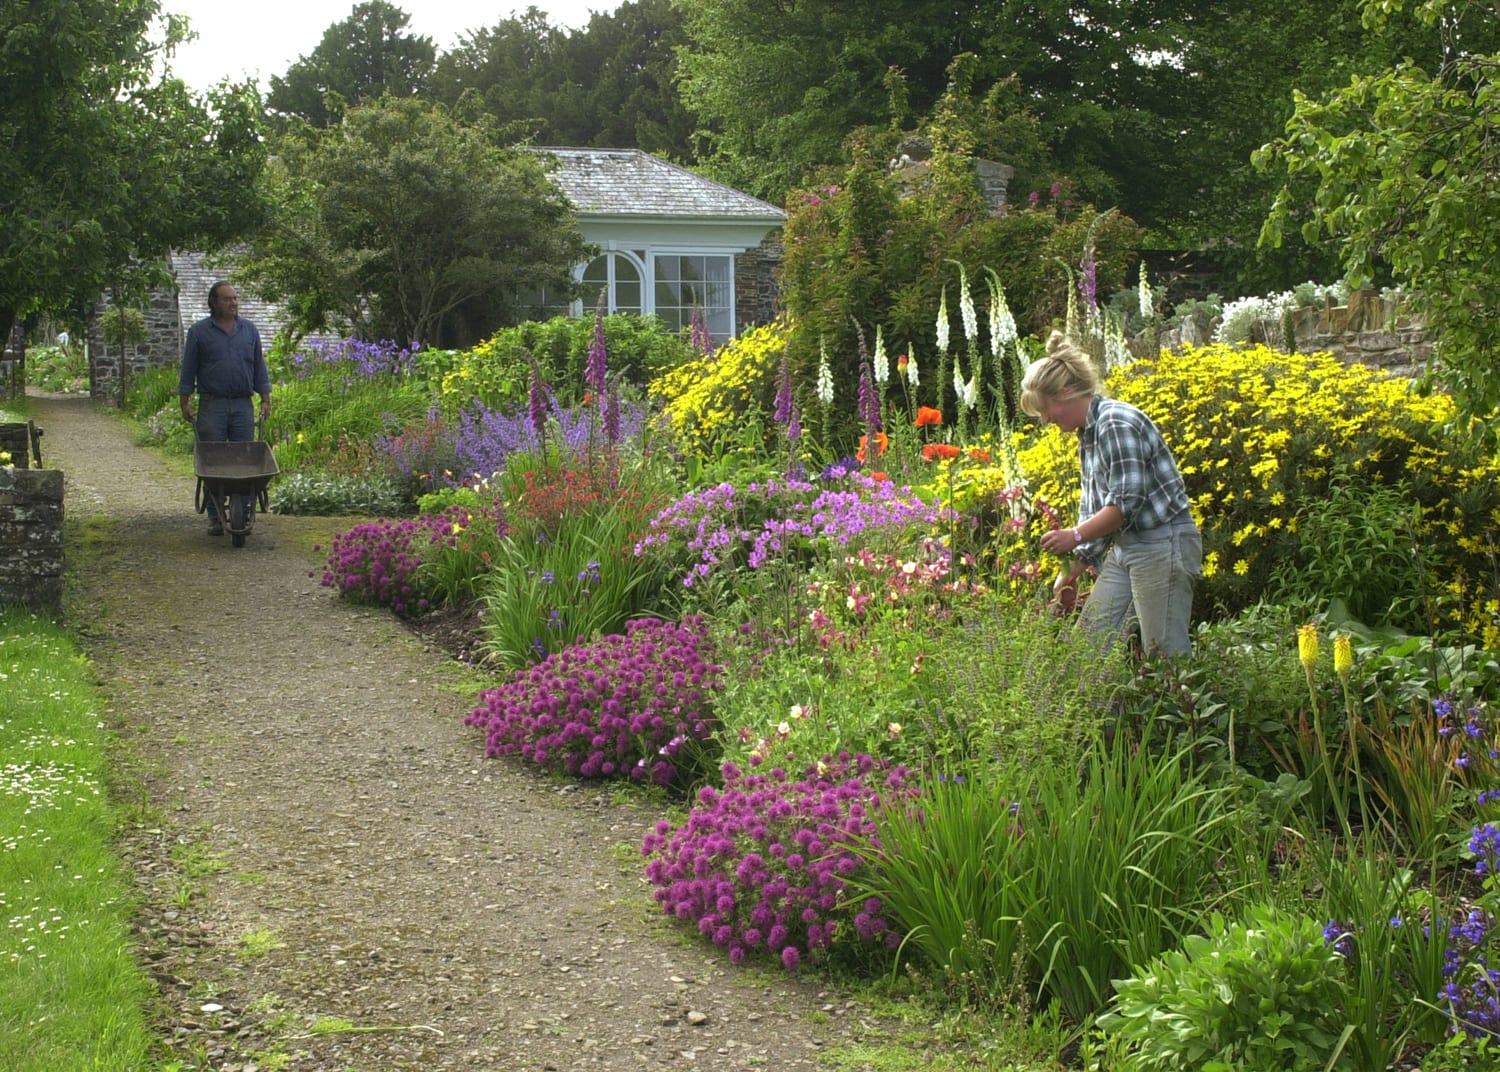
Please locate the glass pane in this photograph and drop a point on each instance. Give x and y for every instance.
(627, 286)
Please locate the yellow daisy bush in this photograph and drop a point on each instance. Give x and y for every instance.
(1258, 434)
(706, 399)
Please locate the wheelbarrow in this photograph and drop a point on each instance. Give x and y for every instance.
(234, 477)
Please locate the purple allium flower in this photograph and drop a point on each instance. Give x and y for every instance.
(609, 707)
(727, 863)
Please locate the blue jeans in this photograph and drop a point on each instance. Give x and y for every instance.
(222, 420)
(1147, 580)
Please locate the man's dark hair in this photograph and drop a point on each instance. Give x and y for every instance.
(213, 292)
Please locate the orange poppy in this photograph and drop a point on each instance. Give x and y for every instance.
(928, 416)
(878, 475)
(939, 451)
(881, 442)
(978, 454)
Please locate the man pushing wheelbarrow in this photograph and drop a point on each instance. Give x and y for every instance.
(222, 362)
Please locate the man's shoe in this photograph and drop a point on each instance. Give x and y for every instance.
(216, 527)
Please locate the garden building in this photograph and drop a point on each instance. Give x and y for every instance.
(670, 242)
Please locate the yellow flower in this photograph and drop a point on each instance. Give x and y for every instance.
(893, 730)
(1307, 646)
(1242, 567)
(1343, 655)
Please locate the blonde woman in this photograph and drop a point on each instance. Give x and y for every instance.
(1134, 524)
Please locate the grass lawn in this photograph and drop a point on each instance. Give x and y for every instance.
(71, 997)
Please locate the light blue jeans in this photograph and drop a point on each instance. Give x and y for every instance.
(1147, 580)
(226, 420)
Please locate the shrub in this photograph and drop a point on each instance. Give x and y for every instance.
(57, 368)
(705, 400)
(1263, 994)
(1259, 435)
(763, 863)
(495, 372)
(636, 705)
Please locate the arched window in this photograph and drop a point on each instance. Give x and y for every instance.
(618, 274)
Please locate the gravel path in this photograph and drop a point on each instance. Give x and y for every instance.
(332, 876)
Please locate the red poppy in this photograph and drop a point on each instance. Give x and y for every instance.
(881, 442)
(939, 451)
(979, 454)
(928, 416)
(878, 475)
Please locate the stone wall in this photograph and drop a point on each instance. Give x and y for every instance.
(1370, 331)
(31, 538)
(162, 345)
(757, 298)
(13, 363)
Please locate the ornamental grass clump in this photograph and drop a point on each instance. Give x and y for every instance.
(636, 705)
(764, 863)
(379, 561)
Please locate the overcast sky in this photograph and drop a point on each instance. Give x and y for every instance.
(265, 38)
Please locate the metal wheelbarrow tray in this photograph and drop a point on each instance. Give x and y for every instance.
(227, 470)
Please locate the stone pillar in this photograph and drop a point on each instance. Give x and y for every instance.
(31, 538)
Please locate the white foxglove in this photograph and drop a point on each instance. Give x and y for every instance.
(825, 377)
(1002, 324)
(882, 363)
(942, 322)
(1148, 309)
(966, 308)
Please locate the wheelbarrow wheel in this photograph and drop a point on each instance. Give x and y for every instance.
(237, 519)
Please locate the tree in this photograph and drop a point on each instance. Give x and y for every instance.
(360, 58)
(611, 84)
(1406, 172)
(103, 169)
(406, 223)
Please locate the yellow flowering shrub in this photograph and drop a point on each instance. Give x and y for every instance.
(1259, 434)
(705, 400)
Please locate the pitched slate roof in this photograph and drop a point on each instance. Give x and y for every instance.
(633, 183)
(194, 276)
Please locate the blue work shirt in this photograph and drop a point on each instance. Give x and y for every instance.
(216, 362)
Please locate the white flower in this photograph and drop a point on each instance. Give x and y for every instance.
(966, 307)
(893, 730)
(825, 377)
(882, 363)
(912, 376)
(960, 388)
(1148, 309)
(1002, 324)
(971, 391)
(784, 729)
(942, 322)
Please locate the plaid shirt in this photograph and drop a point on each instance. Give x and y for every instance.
(1125, 462)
